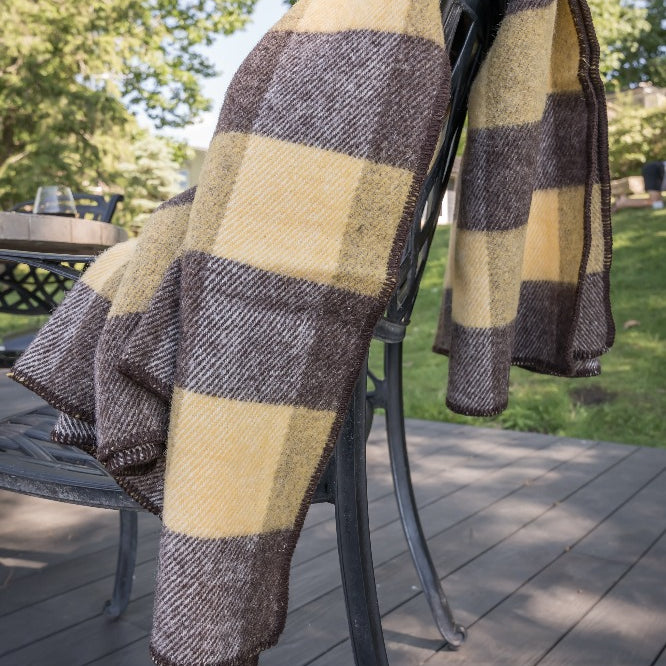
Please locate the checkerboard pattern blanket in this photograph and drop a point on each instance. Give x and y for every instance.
(208, 364)
(527, 277)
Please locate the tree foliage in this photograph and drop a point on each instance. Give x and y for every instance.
(73, 73)
(646, 61)
(147, 170)
(632, 36)
(636, 135)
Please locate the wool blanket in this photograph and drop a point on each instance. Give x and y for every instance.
(208, 364)
(527, 280)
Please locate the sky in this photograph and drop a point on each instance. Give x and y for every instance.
(228, 53)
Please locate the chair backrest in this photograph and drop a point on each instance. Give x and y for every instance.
(470, 27)
(97, 207)
(89, 206)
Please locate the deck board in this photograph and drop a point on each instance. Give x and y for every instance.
(539, 540)
(661, 659)
(77, 571)
(460, 500)
(134, 654)
(627, 625)
(64, 611)
(487, 580)
(552, 603)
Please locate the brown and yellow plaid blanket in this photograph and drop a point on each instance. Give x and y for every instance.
(208, 364)
(527, 278)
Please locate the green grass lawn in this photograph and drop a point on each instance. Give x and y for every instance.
(626, 403)
(16, 324)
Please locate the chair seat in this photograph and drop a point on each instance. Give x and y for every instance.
(31, 463)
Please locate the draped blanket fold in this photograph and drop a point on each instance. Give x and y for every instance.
(208, 364)
(527, 277)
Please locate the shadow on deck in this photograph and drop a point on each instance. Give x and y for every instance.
(552, 551)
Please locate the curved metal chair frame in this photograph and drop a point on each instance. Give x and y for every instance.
(32, 464)
(469, 27)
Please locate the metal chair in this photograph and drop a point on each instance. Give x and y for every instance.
(32, 287)
(470, 26)
(89, 206)
(31, 464)
(34, 284)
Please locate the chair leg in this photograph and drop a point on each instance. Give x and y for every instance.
(353, 529)
(452, 633)
(122, 586)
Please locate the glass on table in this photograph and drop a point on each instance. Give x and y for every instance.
(54, 200)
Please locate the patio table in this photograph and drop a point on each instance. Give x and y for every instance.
(56, 234)
(57, 244)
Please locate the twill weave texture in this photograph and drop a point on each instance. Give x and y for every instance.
(527, 280)
(208, 364)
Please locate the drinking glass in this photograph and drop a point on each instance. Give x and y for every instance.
(54, 200)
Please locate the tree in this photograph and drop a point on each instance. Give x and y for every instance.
(632, 37)
(147, 170)
(73, 73)
(635, 135)
(647, 62)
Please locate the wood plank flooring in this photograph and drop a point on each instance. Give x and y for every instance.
(552, 551)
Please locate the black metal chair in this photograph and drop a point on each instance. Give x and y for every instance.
(32, 287)
(32, 464)
(470, 26)
(89, 206)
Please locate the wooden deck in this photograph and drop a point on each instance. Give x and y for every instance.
(552, 551)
